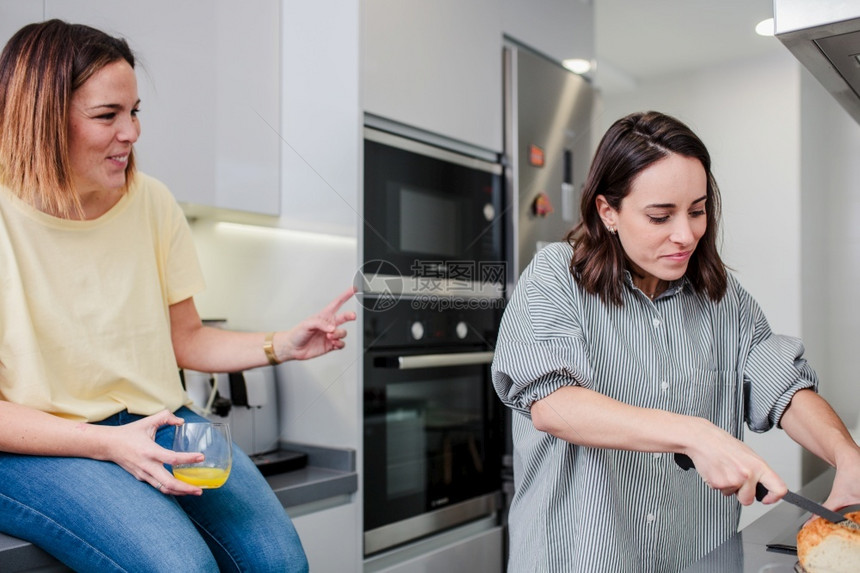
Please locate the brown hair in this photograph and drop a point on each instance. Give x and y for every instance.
(40, 67)
(632, 144)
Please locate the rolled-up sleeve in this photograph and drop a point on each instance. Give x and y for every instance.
(540, 346)
(774, 370)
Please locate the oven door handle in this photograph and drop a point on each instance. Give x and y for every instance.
(437, 360)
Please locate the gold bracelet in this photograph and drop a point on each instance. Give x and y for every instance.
(269, 349)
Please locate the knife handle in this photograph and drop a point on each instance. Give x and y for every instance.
(685, 462)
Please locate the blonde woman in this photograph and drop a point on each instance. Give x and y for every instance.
(97, 278)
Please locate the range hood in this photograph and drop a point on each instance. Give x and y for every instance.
(824, 35)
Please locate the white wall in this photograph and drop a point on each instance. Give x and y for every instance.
(748, 115)
(268, 279)
(830, 145)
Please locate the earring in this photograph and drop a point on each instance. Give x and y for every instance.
(612, 230)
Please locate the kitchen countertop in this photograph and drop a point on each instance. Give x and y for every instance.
(747, 552)
(331, 472)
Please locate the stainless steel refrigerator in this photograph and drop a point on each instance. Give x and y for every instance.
(548, 116)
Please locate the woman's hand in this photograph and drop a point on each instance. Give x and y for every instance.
(132, 447)
(846, 484)
(730, 466)
(317, 334)
(812, 423)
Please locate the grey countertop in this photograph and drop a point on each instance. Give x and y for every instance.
(331, 472)
(747, 552)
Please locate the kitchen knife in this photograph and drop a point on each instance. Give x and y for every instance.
(685, 462)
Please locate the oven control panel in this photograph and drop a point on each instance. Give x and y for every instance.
(417, 330)
(406, 324)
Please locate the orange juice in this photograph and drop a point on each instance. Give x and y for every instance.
(206, 478)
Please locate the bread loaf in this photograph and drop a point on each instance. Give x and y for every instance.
(824, 547)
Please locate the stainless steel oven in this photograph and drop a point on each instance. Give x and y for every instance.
(433, 427)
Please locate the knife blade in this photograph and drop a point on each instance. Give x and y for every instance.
(685, 463)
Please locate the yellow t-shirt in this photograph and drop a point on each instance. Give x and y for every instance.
(84, 319)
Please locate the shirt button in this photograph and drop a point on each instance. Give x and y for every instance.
(650, 518)
(664, 385)
(656, 322)
(657, 455)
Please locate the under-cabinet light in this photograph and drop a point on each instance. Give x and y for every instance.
(765, 27)
(277, 232)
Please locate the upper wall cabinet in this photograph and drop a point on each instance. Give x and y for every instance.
(436, 65)
(209, 84)
(559, 29)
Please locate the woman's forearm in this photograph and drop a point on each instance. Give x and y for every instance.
(811, 422)
(588, 418)
(584, 417)
(33, 432)
(209, 349)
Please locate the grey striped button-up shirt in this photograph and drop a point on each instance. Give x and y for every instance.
(579, 509)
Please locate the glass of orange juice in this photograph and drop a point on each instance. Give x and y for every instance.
(213, 440)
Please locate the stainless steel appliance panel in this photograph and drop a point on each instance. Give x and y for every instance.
(825, 37)
(547, 139)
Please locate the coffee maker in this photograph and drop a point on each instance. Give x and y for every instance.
(248, 402)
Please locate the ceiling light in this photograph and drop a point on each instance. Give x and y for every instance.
(765, 27)
(577, 65)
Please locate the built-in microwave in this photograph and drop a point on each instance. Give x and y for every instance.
(432, 213)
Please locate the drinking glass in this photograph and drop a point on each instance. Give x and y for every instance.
(213, 440)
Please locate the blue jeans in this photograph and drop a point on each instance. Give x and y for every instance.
(94, 516)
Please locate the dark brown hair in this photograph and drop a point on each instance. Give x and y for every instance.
(632, 144)
(40, 67)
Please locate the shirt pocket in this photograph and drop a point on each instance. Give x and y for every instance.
(712, 394)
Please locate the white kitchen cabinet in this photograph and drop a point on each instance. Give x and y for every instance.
(436, 66)
(330, 539)
(209, 81)
(321, 123)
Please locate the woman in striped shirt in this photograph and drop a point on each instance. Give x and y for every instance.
(631, 342)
